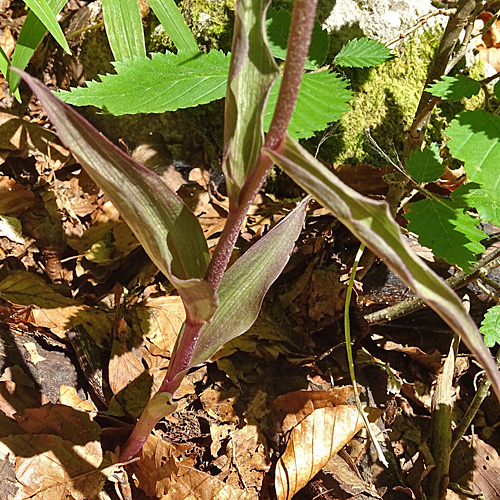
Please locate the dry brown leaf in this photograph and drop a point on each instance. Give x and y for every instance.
(7, 42)
(14, 198)
(321, 426)
(48, 467)
(488, 44)
(192, 484)
(124, 367)
(53, 310)
(15, 397)
(69, 397)
(19, 134)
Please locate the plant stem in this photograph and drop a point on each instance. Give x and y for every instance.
(298, 45)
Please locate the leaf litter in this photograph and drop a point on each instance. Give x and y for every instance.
(270, 412)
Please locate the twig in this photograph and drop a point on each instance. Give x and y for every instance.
(458, 280)
(420, 22)
(473, 408)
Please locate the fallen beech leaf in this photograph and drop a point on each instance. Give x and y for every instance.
(53, 310)
(124, 367)
(48, 467)
(321, 429)
(69, 397)
(15, 397)
(67, 423)
(14, 198)
(192, 484)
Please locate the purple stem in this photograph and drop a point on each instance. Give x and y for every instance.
(298, 46)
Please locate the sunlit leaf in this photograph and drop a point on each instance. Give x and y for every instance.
(165, 82)
(490, 326)
(323, 98)
(362, 53)
(472, 195)
(455, 88)
(425, 165)
(123, 24)
(445, 228)
(43, 11)
(245, 284)
(371, 222)
(167, 229)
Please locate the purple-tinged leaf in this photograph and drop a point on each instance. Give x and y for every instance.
(166, 228)
(246, 282)
(370, 221)
(251, 75)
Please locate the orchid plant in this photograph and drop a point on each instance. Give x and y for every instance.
(223, 303)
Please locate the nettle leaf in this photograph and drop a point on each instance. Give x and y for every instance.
(362, 53)
(425, 165)
(474, 139)
(278, 26)
(496, 90)
(323, 98)
(31, 35)
(490, 326)
(42, 10)
(123, 25)
(472, 195)
(246, 282)
(445, 228)
(165, 82)
(455, 88)
(371, 222)
(167, 229)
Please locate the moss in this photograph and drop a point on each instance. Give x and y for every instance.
(386, 98)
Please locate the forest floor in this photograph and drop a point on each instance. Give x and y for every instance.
(87, 325)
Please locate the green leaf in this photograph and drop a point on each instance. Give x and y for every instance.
(455, 88)
(278, 26)
(43, 11)
(472, 195)
(30, 36)
(362, 53)
(173, 23)
(322, 99)
(252, 73)
(246, 282)
(123, 24)
(167, 229)
(165, 82)
(474, 139)
(371, 222)
(490, 326)
(496, 90)
(425, 165)
(445, 228)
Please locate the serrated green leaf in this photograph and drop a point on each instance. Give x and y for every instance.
(362, 53)
(252, 73)
(474, 139)
(174, 25)
(43, 11)
(425, 165)
(323, 98)
(455, 88)
(30, 36)
(246, 282)
(371, 222)
(496, 90)
(123, 24)
(490, 326)
(278, 26)
(165, 82)
(445, 228)
(166, 228)
(472, 195)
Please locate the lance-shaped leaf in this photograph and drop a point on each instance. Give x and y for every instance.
(167, 229)
(246, 282)
(42, 10)
(251, 75)
(370, 221)
(173, 23)
(123, 23)
(31, 34)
